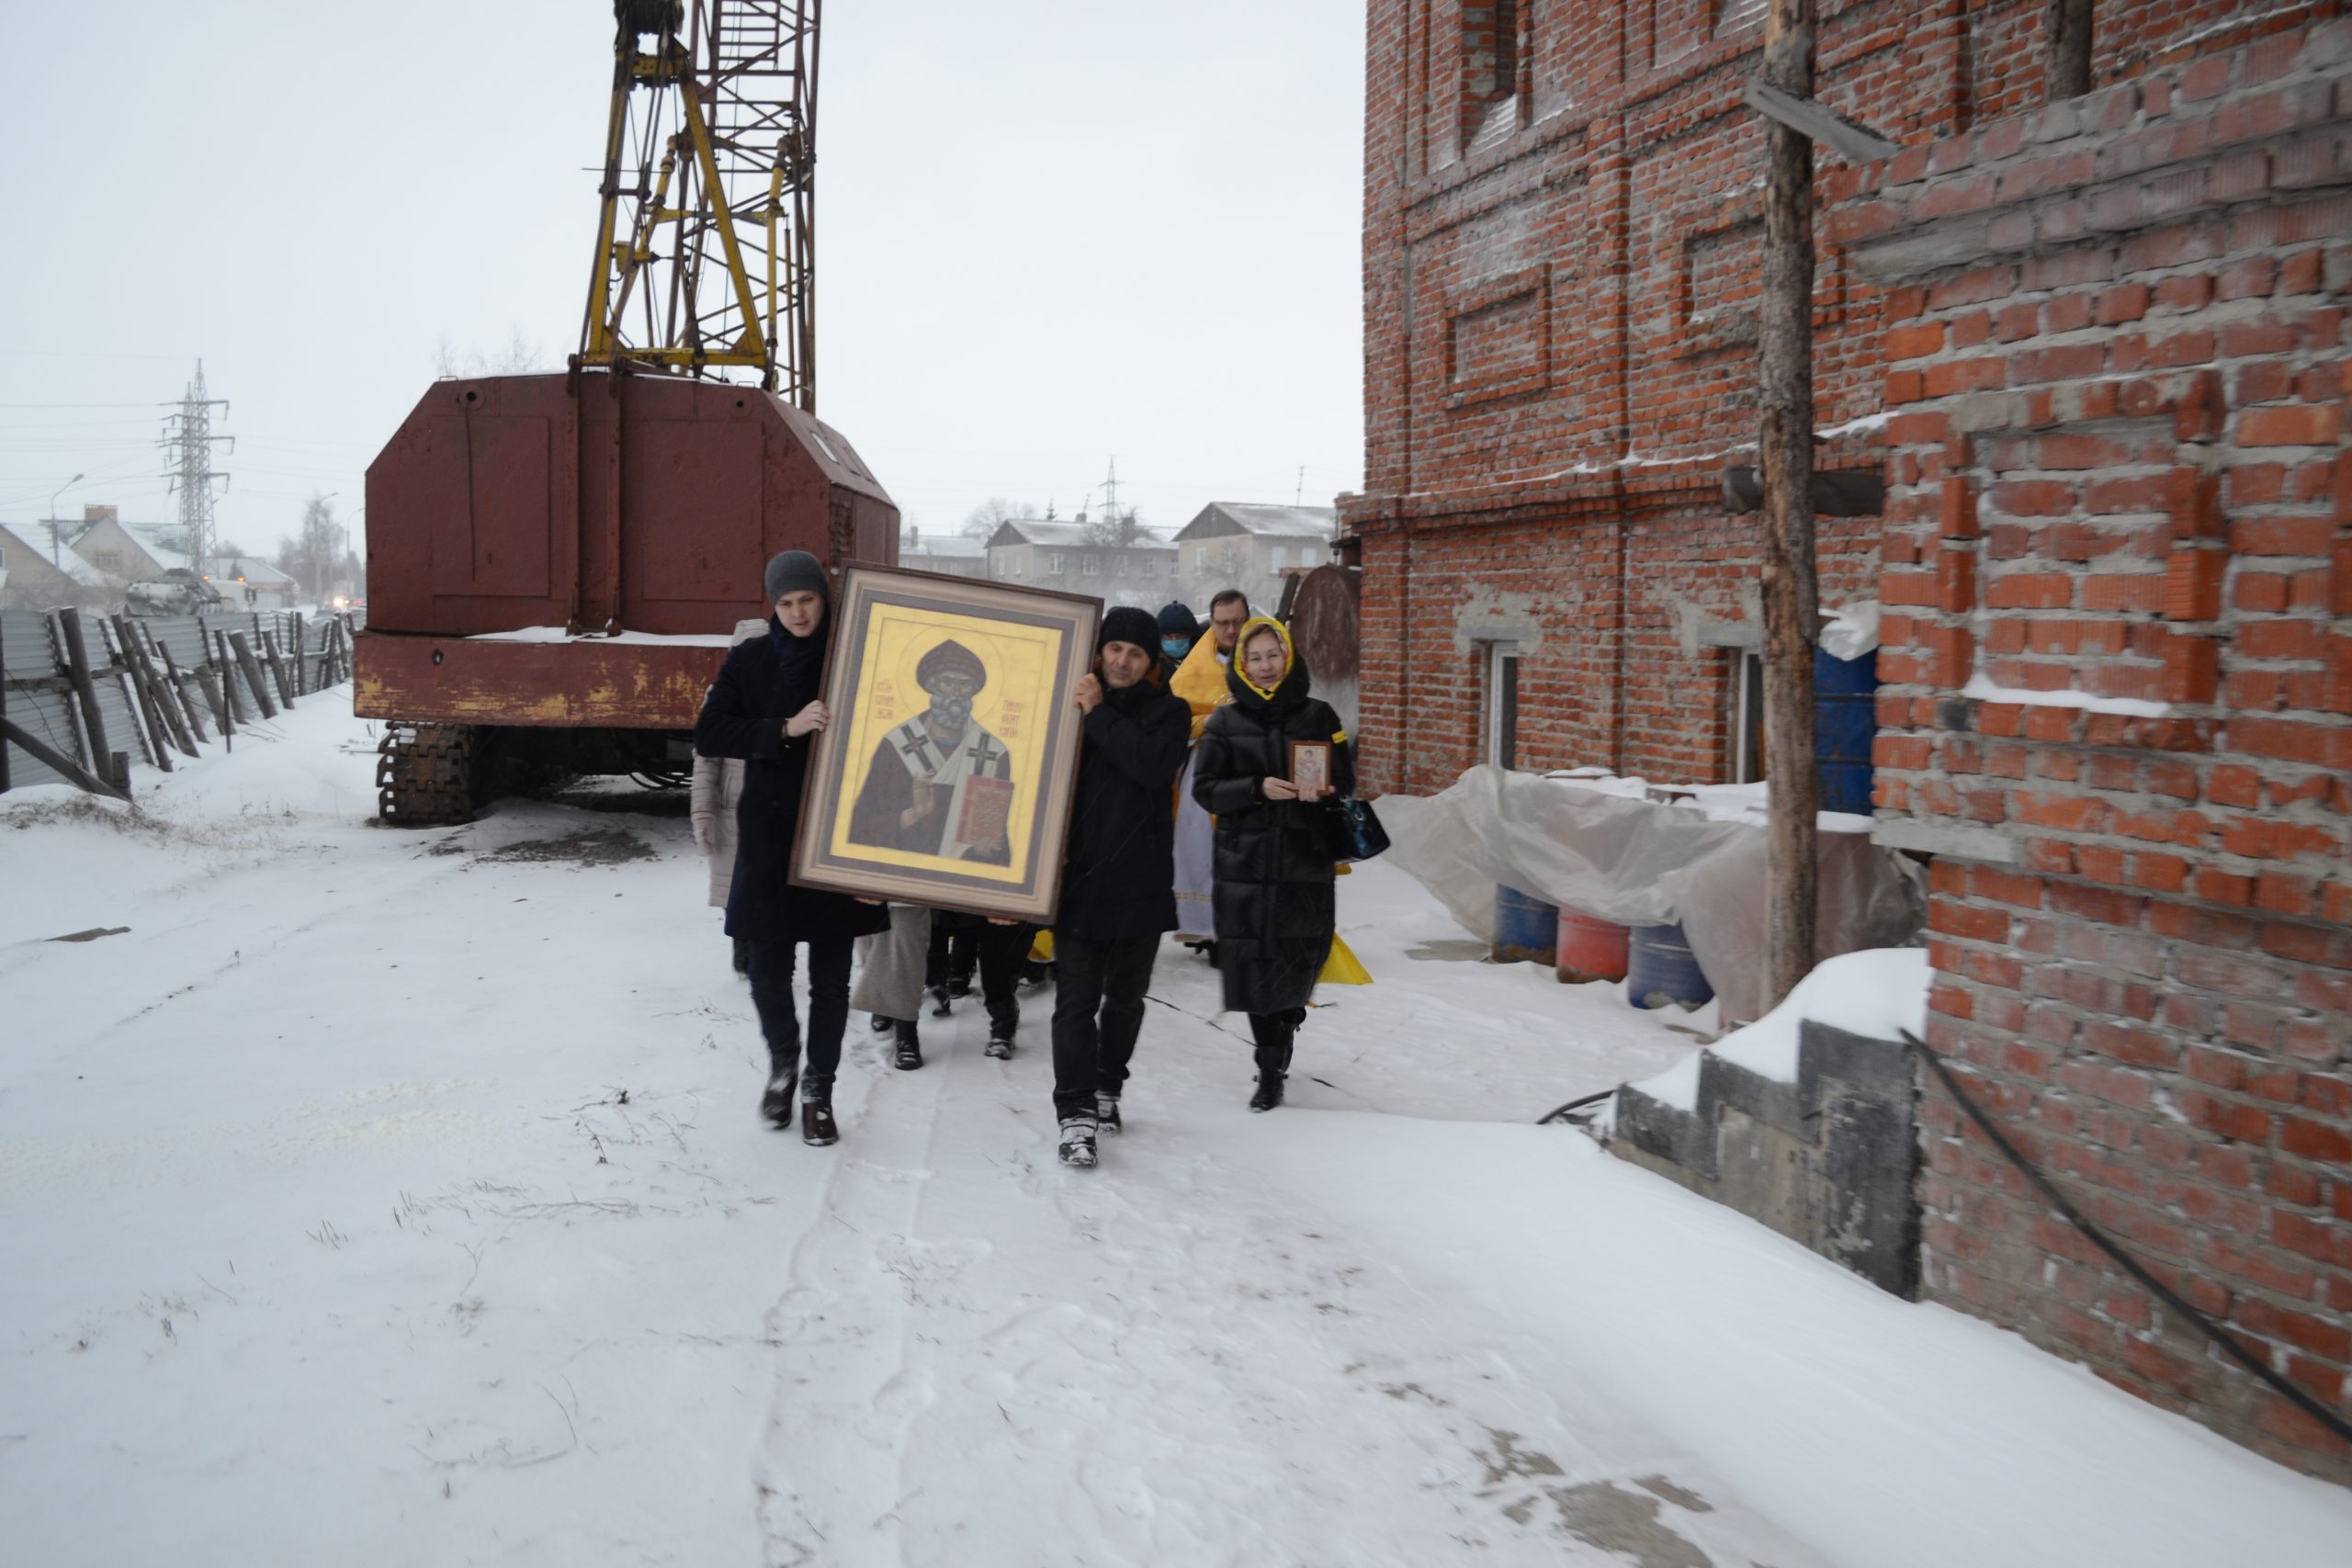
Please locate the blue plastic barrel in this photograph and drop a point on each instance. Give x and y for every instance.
(1527, 929)
(1659, 969)
(1845, 721)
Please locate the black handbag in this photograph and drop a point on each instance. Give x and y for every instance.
(1352, 830)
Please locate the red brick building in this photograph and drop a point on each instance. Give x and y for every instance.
(2098, 348)
(1562, 210)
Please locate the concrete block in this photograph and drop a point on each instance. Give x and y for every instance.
(1830, 1160)
(1962, 840)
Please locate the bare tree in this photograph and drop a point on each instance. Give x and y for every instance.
(316, 556)
(993, 513)
(519, 356)
(1114, 530)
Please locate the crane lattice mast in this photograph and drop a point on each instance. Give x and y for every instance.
(705, 245)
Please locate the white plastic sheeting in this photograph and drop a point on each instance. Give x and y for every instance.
(1595, 846)
(1849, 633)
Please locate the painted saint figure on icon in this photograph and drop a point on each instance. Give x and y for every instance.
(940, 784)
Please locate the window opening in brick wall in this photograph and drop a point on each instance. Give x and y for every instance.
(106, 561)
(1094, 567)
(1054, 564)
(1499, 737)
(1722, 277)
(1733, 15)
(1490, 66)
(1746, 716)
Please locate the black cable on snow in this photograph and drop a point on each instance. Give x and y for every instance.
(1559, 1110)
(2154, 1287)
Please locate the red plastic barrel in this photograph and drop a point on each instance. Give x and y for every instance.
(1590, 949)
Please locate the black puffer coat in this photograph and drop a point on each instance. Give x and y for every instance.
(1119, 881)
(1275, 911)
(763, 682)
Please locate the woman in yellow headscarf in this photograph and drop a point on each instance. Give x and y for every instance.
(1275, 907)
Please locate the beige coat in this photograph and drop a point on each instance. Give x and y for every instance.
(719, 785)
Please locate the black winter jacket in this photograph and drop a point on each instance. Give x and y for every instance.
(1119, 880)
(1275, 909)
(759, 687)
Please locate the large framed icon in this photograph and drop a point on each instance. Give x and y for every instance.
(944, 777)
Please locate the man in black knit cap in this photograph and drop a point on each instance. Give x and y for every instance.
(1118, 882)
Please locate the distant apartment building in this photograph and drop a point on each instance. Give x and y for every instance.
(951, 554)
(1243, 545)
(1119, 565)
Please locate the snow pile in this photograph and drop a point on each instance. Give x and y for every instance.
(1878, 992)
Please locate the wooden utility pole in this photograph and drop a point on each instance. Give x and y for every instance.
(1785, 320)
(2069, 25)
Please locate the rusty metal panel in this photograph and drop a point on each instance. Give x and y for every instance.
(507, 501)
(693, 511)
(470, 507)
(496, 546)
(572, 685)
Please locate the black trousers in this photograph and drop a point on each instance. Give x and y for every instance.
(1098, 1012)
(829, 962)
(1272, 1032)
(954, 951)
(997, 950)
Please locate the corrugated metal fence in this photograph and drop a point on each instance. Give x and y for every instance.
(153, 690)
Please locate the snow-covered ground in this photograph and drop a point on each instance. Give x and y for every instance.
(397, 1198)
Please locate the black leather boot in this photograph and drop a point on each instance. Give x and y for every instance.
(776, 1103)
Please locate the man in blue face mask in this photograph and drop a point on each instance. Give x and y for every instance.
(1178, 632)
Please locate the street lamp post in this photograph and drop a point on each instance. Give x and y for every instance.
(56, 559)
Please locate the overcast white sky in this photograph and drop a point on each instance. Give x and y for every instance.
(1049, 231)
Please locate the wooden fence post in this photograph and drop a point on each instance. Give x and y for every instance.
(253, 676)
(64, 767)
(226, 664)
(142, 700)
(160, 697)
(178, 684)
(85, 692)
(167, 670)
(277, 669)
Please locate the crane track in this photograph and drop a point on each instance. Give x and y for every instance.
(425, 774)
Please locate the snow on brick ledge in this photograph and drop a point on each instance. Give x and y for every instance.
(1877, 993)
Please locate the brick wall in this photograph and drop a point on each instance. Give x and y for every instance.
(2115, 351)
(1559, 335)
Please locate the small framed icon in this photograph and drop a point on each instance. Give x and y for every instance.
(1310, 767)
